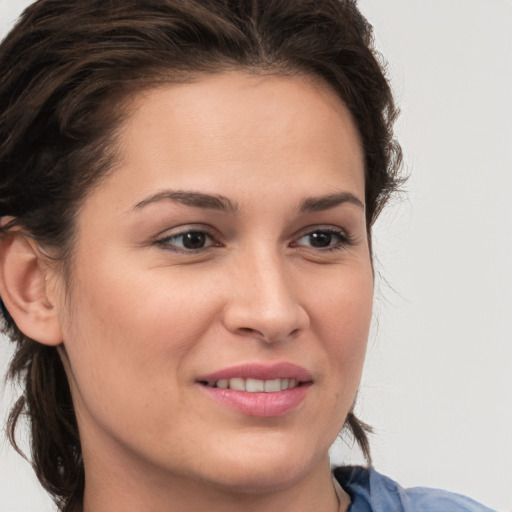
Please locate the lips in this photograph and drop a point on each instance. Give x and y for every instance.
(260, 372)
(258, 390)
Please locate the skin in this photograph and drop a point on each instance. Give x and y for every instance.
(143, 317)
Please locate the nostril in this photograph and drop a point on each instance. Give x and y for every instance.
(252, 321)
(254, 332)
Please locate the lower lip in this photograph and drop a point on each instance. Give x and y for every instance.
(264, 405)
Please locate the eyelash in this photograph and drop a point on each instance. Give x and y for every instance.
(344, 240)
(166, 241)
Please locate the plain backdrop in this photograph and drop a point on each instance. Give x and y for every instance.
(438, 382)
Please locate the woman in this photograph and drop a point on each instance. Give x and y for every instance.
(188, 190)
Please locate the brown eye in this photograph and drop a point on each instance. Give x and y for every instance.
(324, 239)
(192, 240)
(320, 239)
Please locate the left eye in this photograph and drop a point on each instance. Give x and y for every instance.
(323, 238)
(189, 240)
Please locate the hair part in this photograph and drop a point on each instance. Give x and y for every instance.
(70, 70)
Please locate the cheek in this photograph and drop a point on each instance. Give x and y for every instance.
(125, 328)
(341, 318)
(128, 344)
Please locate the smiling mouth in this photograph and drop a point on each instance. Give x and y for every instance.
(254, 385)
(258, 390)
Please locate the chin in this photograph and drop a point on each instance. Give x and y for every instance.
(267, 467)
(260, 480)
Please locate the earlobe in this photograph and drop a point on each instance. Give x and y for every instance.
(23, 288)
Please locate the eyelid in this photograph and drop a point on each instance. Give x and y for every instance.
(173, 233)
(346, 238)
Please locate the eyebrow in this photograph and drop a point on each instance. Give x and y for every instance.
(321, 203)
(224, 204)
(195, 199)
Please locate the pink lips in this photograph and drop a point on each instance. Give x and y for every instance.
(262, 404)
(260, 371)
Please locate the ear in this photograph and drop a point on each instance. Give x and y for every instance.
(24, 278)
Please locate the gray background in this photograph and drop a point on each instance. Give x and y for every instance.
(437, 385)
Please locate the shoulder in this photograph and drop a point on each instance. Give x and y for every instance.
(372, 492)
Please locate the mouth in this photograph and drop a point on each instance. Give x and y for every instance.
(254, 385)
(258, 389)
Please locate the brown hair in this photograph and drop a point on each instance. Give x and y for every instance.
(68, 65)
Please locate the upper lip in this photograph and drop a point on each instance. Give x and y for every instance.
(260, 371)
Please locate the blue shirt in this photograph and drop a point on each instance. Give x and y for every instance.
(372, 492)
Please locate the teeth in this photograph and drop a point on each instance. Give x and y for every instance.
(254, 385)
(237, 384)
(272, 385)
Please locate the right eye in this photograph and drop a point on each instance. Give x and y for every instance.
(190, 240)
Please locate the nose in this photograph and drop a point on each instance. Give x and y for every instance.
(264, 300)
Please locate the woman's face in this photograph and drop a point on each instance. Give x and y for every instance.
(224, 260)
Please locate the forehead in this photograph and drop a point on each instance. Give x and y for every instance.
(235, 115)
(240, 136)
